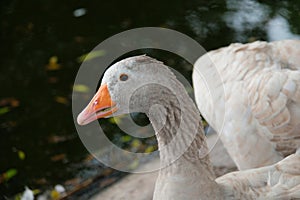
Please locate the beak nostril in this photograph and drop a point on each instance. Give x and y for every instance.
(95, 102)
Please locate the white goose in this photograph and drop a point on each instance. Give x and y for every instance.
(261, 82)
(143, 84)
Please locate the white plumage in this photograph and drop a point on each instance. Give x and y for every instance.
(261, 85)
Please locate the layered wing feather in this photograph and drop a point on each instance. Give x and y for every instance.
(261, 103)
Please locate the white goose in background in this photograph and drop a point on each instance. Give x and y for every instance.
(143, 84)
(261, 83)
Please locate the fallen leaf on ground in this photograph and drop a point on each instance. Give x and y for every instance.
(136, 143)
(58, 157)
(8, 175)
(81, 88)
(126, 138)
(134, 164)
(59, 138)
(91, 55)
(13, 102)
(21, 155)
(62, 100)
(52, 64)
(150, 149)
(115, 120)
(4, 110)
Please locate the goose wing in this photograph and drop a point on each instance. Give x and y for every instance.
(274, 96)
(260, 82)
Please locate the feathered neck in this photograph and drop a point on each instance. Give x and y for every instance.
(182, 146)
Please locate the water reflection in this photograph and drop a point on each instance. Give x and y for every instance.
(278, 28)
(245, 15)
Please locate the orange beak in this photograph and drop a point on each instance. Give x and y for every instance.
(100, 106)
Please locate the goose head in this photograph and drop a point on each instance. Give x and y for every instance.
(130, 85)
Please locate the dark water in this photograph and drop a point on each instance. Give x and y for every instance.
(35, 101)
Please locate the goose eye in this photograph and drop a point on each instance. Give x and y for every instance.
(123, 77)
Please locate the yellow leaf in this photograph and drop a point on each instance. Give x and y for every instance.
(21, 155)
(118, 119)
(61, 100)
(54, 194)
(81, 88)
(112, 120)
(36, 191)
(134, 164)
(126, 138)
(53, 65)
(53, 60)
(91, 55)
(136, 143)
(115, 120)
(150, 149)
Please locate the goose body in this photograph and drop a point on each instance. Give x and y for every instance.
(143, 84)
(261, 104)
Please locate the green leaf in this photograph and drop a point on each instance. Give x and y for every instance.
(136, 143)
(18, 196)
(134, 164)
(53, 65)
(21, 155)
(91, 55)
(150, 149)
(115, 120)
(36, 191)
(10, 173)
(62, 100)
(81, 88)
(4, 110)
(126, 138)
